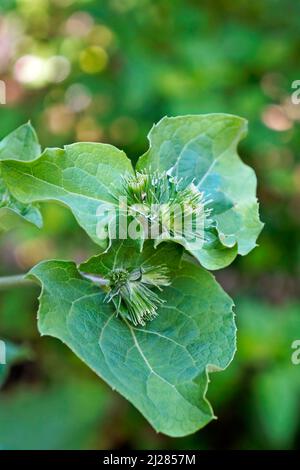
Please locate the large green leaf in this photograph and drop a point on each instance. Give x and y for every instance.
(266, 335)
(195, 148)
(161, 368)
(82, 176)
(21, 144)
(203, 149)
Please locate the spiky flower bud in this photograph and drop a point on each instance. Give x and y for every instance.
(161, 201)
(133, 290)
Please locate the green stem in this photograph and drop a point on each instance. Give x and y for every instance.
(19, 280)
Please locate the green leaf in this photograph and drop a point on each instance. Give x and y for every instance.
(161, 368)
(81, 176)
(195, 148)
(21, 144)
(12, 212)
(203, 149)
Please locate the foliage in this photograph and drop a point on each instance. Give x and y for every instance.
(152, 59)
(153, 366)
(32, 418)
(21, 144)
(161, 368)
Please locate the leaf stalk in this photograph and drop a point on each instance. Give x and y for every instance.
(19, 280)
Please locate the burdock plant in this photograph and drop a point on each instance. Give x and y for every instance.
(146, 315)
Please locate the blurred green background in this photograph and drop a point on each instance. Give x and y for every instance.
(105, 71)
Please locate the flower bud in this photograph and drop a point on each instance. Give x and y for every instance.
(132, 292)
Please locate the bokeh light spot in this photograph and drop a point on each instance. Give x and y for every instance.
(78, 97)
(93, 59)
(275, 118)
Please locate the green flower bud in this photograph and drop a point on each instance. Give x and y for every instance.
(159, 199)
(132, 292)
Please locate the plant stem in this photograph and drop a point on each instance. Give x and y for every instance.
(96, 279)
(19, 280)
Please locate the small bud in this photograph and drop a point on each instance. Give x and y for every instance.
(132, 294)
(136, 187)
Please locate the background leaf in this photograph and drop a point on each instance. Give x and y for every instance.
(21, 144)
(61, 416)
(278, 423)
(14, 354)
